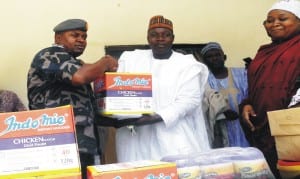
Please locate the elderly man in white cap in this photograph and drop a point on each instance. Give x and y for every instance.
(272, 76)
(232, 83)
(56, 77)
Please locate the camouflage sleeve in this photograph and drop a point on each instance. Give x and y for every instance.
(56, 64)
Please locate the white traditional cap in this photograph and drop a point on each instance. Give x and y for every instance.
(292, 6)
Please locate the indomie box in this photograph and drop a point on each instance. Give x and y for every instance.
(145, 169)
(63, 175)
(285, 127)
(124, 93)
(39, 143)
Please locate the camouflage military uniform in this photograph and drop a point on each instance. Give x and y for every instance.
(49, 85)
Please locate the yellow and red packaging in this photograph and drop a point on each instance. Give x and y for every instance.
(124, 93)
(39, 143)
(289, 169)
(145, 169)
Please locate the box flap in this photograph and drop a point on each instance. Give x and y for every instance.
(284, 122)
(129, 165)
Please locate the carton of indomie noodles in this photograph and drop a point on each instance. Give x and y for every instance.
(143, 169)
(124, 93)
(39, 143)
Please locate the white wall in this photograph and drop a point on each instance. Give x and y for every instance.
(26, 27)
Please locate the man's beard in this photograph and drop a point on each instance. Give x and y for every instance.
(217, 66)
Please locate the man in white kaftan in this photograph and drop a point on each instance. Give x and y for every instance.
(177, 87)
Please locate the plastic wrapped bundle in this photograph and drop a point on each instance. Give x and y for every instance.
(186, 168)
(250, 163)
(225, 163)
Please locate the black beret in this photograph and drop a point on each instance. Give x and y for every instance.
(71, 24)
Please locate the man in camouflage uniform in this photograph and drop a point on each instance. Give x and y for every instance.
(56, 77)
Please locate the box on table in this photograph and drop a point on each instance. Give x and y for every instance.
(124, 93)
(145, 169)
(76, 175)
(39, 143)
(285, 127)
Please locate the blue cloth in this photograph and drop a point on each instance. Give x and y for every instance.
(239, 75)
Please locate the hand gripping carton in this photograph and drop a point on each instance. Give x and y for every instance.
(39, 143)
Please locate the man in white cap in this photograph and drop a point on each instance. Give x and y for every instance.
(232, 83)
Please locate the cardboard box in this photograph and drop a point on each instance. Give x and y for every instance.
(124, 93)
(285, 127)
(76, 175)
(134, 170)
(38, 143)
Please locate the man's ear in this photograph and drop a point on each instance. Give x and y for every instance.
(57, 38)
(173, 38)
(225, 57)
(148, 39)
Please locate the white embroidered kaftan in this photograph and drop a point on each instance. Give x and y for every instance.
(178, 85)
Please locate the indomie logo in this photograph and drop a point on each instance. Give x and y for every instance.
(151, 176)
(44, 120)
(130, 82)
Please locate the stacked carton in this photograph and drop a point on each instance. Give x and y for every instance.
(285, 127)
(39, 143)
(145, 169)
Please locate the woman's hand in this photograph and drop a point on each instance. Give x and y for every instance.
(247, 114)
